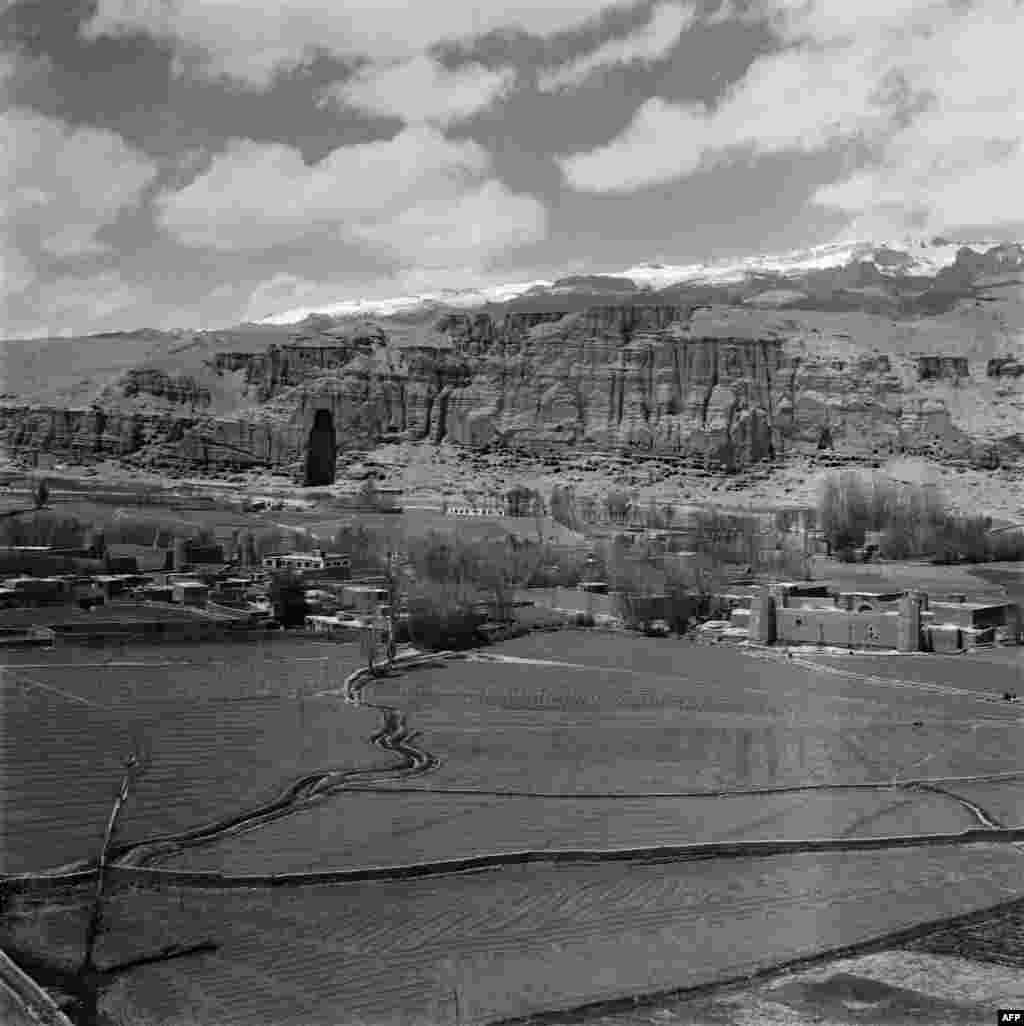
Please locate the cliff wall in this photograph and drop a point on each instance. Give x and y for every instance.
(665, 379)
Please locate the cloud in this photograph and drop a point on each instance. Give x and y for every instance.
(8, 69)
(959, 161)
(473, 229)
(284, 290)
(16, 273)
(651, 150)
(799, 100)
(74, 304)
(650, 43)
(251, 40)
(421, 90)
(929, 90)
(418, 196)
(59, 185)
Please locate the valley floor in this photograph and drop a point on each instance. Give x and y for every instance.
(431, 474)
(567, 741)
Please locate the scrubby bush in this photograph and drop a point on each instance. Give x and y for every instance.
(582, 620)
(617, 506)
(562, 506)
(443, 616)
(913, 521)
(287, 594)
(42, 527)
(1007, 546)
(843, 512)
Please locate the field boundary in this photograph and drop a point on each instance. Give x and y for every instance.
(581, 1013)
(42, 883)
(54, 881)
(37, 1005)
(895, 784)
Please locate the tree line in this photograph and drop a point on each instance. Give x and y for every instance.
(912, 522)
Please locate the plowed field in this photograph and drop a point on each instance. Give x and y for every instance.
(219, 728)
(507, 942)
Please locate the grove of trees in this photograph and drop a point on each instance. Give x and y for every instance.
(913, 521)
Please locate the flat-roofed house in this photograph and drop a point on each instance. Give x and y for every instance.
(299, 562)
(364, 598)
(190, 593)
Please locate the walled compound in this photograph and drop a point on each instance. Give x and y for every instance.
(910, 621)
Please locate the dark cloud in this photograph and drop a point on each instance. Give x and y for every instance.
(506, 157)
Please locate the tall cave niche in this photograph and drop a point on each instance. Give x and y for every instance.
(322, 450)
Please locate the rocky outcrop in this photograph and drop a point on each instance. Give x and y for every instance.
(658, 378)
(284, 366)
(181, 389)
(85, 433)
(607, 382)
(851, 405)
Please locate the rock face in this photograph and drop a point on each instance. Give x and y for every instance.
(283, 366)
(658, 378)
(176, 389)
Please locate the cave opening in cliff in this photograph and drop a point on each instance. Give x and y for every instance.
(322, 450)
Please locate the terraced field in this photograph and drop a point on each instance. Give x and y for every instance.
(991, 672)
(608, 714)
(404, 828)
(554, 741)
(502, 943)
(219, 728)
(599, 741)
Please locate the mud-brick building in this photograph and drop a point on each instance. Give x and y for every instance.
(905, 621)
(301, 562)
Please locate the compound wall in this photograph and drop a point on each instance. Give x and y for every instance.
(837, 627)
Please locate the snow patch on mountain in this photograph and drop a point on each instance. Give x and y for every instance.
(897, 258)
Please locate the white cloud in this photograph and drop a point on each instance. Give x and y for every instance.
(421, 89)
(8, 68)
(78, 304)
(227, 208)
(416, 197)
(16, 273)
(282, 291)
(59, 185)
(651, 150)
(960, 161)
(473, 228)
(251, 39)
(932, 88)
(650, 43)
(799, 99)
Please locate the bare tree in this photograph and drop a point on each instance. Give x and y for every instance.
(41, 493)
(96, 918)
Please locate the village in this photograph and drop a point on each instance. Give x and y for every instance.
(201, 590)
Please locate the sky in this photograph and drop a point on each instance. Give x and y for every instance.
(197, 163)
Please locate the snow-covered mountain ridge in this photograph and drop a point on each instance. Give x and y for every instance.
(895, 260)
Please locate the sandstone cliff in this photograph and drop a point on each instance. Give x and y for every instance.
(727, 385)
